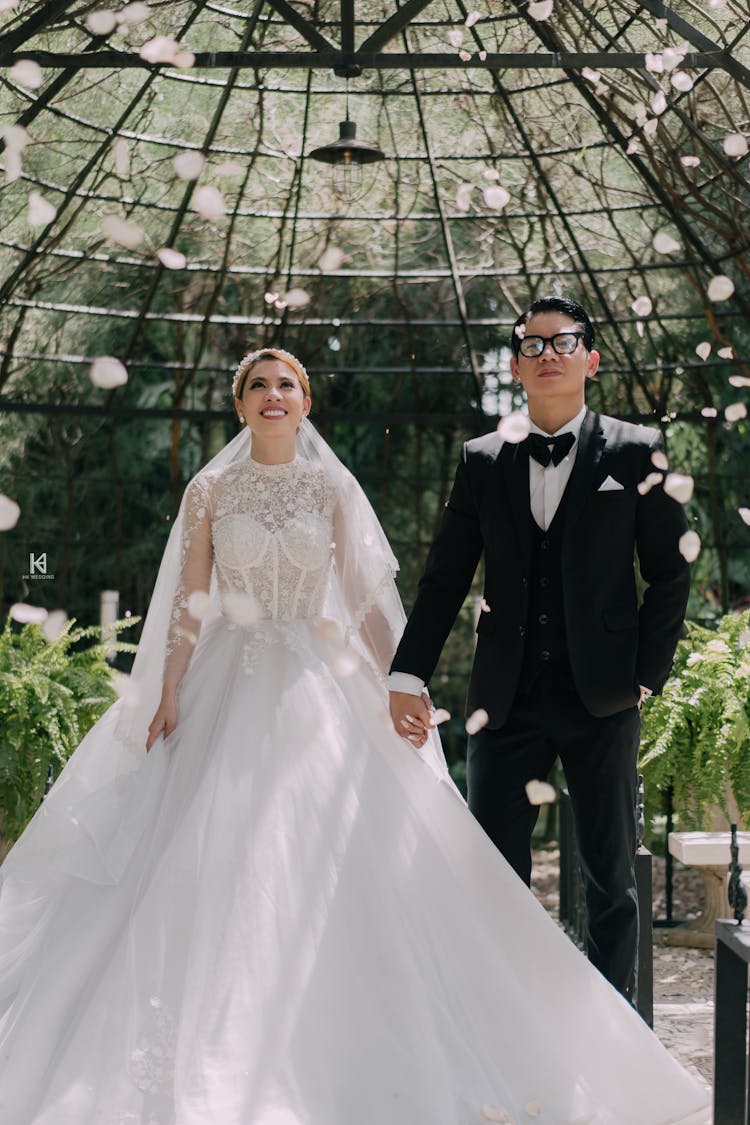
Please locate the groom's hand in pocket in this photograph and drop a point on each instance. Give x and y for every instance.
(410, 715)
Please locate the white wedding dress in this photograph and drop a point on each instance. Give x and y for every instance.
(280, 916)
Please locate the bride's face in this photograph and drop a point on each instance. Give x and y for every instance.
(273, 401)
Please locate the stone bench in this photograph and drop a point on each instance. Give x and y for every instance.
(709, 852)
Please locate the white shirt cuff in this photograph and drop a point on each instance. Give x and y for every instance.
(405, 682)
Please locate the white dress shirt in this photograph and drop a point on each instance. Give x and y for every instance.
(546, 487)
(547, 484)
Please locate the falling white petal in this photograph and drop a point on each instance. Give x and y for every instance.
(331, 259)
(496, 197)
(709, 412)
(664, 243)
(690, 546)
(209, 202)
(540, 793)
(491, 174)
(242, 609)
(101, 23)
(744, 514)
(679, 486)
(41, 211)
(651, 126)
(659, 460)
(703, 349)
(482, 55)
(439, 716)
(160, 49)
(16, 138)
(464, 56)
(463, 197)
(514, 427)
(654, 63)
(720, 288)
(673, 56)
(484, 606)
(642, 306)
(690, 161)
(329, 630)
(27, 73)
(471, 19)
(26, 614)
(199, 605)
(492, 1113)
(592, 76)
(477, 720)
(659, 103)
(735, 412)
(184, 60)
(171, 259)
(9, 513)
(107, 372)
(123, 233)
(681, 81)
(726, 352)
(344, 664)
(541, 10)
(133, 14)
(734, 144)
(54, 624)
(739, 381)
(646, 485)
(188, 165)
(455, 37)
(8, 5)
(296, 298)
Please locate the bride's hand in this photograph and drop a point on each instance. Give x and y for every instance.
(165, 719)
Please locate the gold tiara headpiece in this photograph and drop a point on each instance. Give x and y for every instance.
(248, 360)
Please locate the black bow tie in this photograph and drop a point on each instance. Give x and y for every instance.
(545, 449)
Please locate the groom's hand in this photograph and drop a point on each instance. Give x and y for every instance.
(410, 715)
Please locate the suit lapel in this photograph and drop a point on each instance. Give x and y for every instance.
(591, 443)
(515, 461)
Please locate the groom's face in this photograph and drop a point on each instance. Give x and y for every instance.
(550, 374)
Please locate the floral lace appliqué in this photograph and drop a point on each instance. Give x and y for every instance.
(152, 1061)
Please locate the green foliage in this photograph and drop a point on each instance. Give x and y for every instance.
(51, 694)
(696, 736)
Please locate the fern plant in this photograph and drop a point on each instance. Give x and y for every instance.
(51, 694)
(695, 737)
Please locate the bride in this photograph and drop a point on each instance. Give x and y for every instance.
(284, 914)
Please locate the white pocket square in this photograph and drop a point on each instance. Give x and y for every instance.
(610, 485)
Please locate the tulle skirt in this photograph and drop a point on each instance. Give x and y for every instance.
(280, 917)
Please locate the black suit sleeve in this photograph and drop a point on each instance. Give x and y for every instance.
(448, 574)
(660, 524)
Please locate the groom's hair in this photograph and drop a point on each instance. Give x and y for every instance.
(565, 305)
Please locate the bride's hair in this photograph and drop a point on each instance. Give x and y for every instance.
(249, 361)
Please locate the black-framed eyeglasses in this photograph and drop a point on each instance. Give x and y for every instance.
(564, 343)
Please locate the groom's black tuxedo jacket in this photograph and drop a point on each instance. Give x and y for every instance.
(613, 645)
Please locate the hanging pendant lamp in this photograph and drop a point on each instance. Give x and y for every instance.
(347, 156)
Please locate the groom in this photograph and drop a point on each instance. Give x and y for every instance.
(565, 655)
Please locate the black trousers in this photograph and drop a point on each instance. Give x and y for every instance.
(599, 757)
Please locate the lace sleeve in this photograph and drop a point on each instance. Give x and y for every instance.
(366, 568)
(196, 561)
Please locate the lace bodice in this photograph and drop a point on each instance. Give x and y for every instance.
(272, 530)
(265, 538)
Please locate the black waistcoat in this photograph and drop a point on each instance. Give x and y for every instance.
(545, 643)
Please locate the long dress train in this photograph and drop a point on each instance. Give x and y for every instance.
(280, 916)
